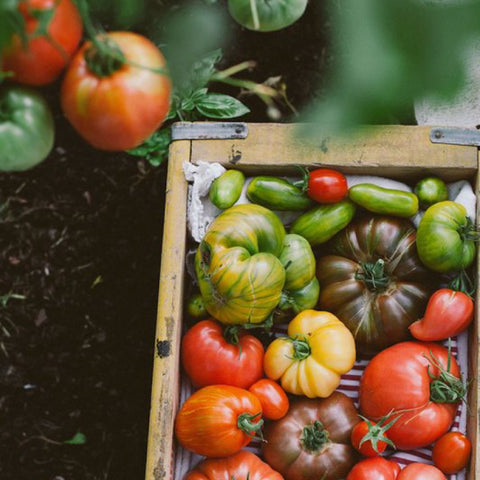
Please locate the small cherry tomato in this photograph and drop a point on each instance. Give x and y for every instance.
(369, 438)
(421, 471)
(451, 452)
(272, 397)
(327, 186)
(377, 468)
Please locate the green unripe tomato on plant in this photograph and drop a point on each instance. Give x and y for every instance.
(27, 130)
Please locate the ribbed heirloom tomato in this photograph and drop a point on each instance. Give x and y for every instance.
(116, 92)
(418, 384)
(41, 60)
(218, 420)
(241, 466)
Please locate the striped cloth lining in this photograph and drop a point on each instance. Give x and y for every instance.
(349, 385)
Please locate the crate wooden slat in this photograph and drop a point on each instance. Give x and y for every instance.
(402, 152)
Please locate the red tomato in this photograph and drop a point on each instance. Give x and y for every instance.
(369, 438)
(448, 313)
(421, 471)
(209, 359)
(377, 468)
(327, 186)
(272, 397)
(397, 380)
(42, 59)
(241, 466)
(218, 421)
(118, 108)
(452, 452)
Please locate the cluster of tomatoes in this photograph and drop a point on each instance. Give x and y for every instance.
(372, 284)
(115, 91)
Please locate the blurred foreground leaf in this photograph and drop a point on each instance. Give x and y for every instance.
(387, 53)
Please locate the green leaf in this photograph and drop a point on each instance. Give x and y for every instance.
(78, 439)
(11, 23)
(217, 105)
(155, 148)
(266, 15)
(203, 69)
(389, 53)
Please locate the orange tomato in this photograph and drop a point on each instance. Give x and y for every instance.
(218, 420)
(43, 58)
(272, 397)
(116, 106)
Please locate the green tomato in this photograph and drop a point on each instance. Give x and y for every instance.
(446, 238)
(266, 15)
(26, 129)
(226, 189)
(431, 190)
(196, 307)
(385, 201)
(321, 223)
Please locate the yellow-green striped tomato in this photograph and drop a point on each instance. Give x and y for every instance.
(243, 263)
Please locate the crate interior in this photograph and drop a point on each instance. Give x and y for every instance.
(409, 175)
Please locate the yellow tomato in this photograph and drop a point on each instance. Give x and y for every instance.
(318, 350)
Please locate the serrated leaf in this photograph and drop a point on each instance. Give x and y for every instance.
(217, 105)
(78, 439)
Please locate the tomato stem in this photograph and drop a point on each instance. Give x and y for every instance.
(246, 423)
(314, 437)
(373, 275)
(301, 348)
(445, 387)
(468, 231)
(463, 283)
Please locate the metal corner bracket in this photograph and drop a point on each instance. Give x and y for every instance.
(455, 136)
(209, 130)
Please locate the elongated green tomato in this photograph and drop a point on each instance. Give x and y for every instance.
(226, 189)
(266, 15)
(446, 238)
(277, 194)
(385, 201)
(27, 130)
(431, 190)
(321, 223)
(301, 289)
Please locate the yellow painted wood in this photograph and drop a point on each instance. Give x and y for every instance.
(401, 150)
(165, 385)
(473, 425)
(393, 151)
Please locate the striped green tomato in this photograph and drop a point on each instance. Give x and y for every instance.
(446, 238)
(243, 263)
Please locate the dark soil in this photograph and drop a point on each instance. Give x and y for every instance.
(80, 243)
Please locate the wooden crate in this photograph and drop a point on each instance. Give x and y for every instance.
(398, 152)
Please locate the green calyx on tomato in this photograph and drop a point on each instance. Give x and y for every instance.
(376, 432)
(27, 129)
(301, 349)
(373, 275)
(315, 437)
(445, 387)
(249, 424)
